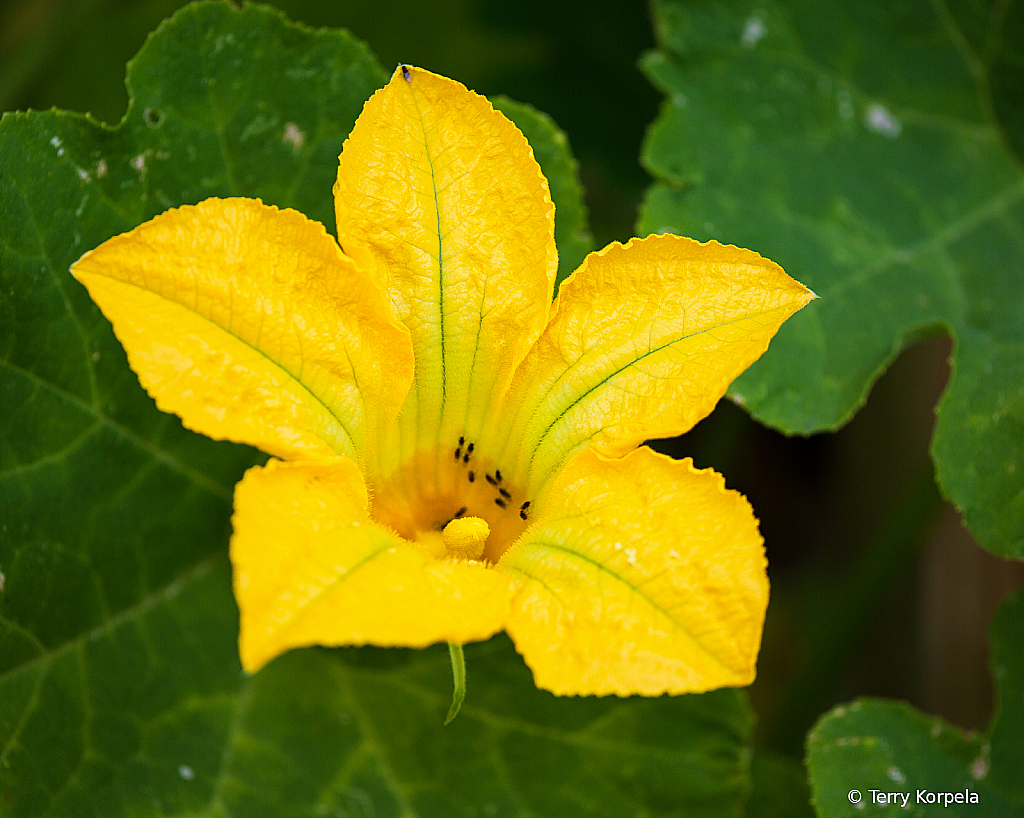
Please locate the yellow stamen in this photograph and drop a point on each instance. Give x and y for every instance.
(465, 537)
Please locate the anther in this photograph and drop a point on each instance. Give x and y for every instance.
(500, 502)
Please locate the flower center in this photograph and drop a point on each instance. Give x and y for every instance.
(438, 487)
(464, 538)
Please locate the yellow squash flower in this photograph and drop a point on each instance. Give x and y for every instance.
(454, 453)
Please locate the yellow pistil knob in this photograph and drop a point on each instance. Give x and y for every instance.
(464, 538)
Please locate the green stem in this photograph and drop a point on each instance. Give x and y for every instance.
(459, 675)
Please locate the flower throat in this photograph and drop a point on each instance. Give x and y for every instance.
(446, 483)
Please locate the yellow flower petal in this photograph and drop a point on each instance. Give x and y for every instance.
(441, 196)
(249, 323)
(641, 575)
(311, 568)
(644, 340)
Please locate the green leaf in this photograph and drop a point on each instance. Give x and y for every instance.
(1004, 736)
(120, 687)
(860, 151)
(551, 149)
(890, 747)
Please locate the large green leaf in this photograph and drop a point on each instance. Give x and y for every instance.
(859, 149)
(120, 687)
(889, 747)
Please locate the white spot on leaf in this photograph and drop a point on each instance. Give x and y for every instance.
(753, 31)
(878, 118)
(294, 136)
(186, 772)
(221, 42)
(979, 767)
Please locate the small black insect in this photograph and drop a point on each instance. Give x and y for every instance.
(406, 74)
(472, 477)
(500, 502)
(461, 511)
(497, 475)
(505, 494)
(491, 480)
(523, 508)
(458, 453)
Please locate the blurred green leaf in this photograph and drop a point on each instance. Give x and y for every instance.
(859, 149)
(120, 687)
(892, 748)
